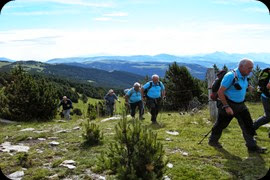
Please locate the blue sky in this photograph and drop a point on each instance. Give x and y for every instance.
(46, 29)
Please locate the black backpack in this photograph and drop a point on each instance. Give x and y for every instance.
(216, 83)
(147, 89)
(263, 80)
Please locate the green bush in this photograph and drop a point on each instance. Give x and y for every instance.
(135, 154)
(92, 135)
(77, 111)
(29, 99)
(24, 160)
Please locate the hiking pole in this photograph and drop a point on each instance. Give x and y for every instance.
(205, 136)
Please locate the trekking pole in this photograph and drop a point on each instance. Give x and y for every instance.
(205, 136)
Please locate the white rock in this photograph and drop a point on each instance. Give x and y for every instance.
(76, 128)
(29, 138)
(175, 133)
(94, 175)
(111, 118)
(61, 121)
(53, 176)
(54, 143)
(19, 126)
(184, 153)
(39, 151)
(41, 139)
(52, 138)
(63, 131)
(168, 139)
(44, 131)
(69, 162)
(170, 165)
(266, 125)
(27, 129)
(16, 175)
(7, 147)
(166, 178)
(7, 121)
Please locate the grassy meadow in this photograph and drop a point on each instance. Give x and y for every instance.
(190, 160)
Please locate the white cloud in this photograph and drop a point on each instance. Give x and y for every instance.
(89, 3)
(103, 19)
(116, 14)
(193, 38)
(257, 9)
(231, 2)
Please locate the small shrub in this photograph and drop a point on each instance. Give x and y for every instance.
(135, 154)
(23, 160)
(92, 135)
(91, 112)
(77, 111)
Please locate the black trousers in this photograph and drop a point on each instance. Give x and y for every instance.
(154, 107)
(245, 122)
(133, 106)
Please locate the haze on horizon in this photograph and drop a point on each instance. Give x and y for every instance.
(46, 29)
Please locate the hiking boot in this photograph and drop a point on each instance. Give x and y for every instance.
(257, 149)
(215, 144)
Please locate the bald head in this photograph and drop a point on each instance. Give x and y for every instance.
(155, 78)
(245, 66)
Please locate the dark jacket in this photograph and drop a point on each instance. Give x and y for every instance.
(110, 99)
(66, 105)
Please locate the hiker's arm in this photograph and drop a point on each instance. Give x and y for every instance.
(126, 98)
(142, 92)
(250, 88)
(268, 86)
(223, 100)
(163, 94)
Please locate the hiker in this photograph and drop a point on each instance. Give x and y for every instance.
(154, 92)
(231, 104)
(265, 98)
(66, 105)
(110, 98)
(134, 98)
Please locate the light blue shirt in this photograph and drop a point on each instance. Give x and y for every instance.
(134, 96)
(232, 93)
(155, 91)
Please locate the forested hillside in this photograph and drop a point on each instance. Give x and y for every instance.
(95, 77)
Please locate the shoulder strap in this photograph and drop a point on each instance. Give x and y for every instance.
(131, 92)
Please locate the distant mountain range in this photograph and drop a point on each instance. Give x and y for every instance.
(96, 77)
(143, 65)
(148, 65)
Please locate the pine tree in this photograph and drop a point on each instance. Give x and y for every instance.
(135, 153)
(30, 99)
(225, 67)
(181, 87)
(216, 68)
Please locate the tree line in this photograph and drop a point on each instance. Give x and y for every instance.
(25, 96)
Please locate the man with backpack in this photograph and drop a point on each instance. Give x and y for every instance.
(110, 98)
(154, 91)
(264, 88)
(67, 105)
(231, 104)
(134, 98)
